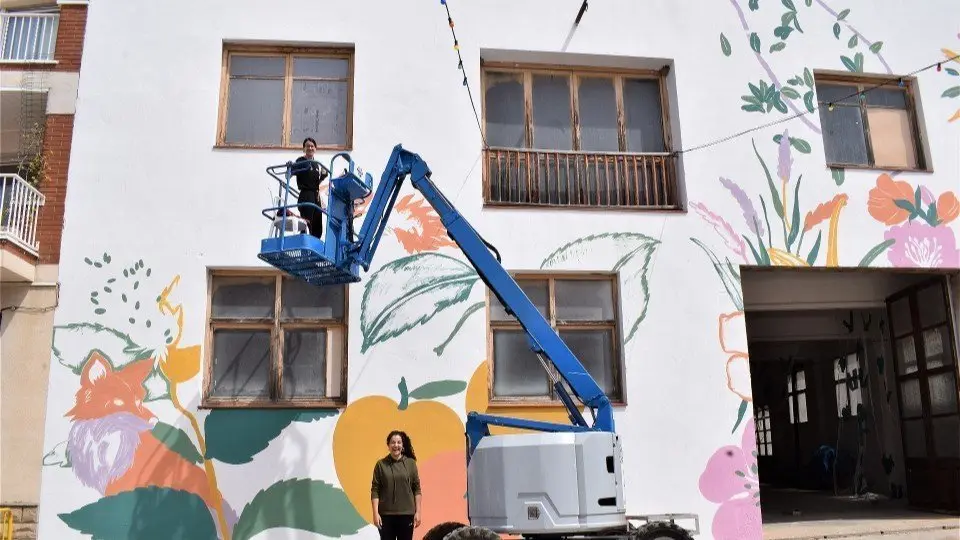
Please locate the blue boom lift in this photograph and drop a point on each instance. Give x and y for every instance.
(560, 480)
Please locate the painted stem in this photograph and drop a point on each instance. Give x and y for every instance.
(860, 36)
(766, 67)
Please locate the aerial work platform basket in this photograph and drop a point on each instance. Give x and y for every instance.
(291, 248)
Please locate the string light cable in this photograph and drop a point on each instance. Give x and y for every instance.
(830, 105)
(456, 47)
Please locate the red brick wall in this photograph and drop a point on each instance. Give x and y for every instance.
(56, 152)
(69, 49)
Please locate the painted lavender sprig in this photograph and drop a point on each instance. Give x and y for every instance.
(746, 206)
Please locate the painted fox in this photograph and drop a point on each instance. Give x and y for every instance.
(111, 445)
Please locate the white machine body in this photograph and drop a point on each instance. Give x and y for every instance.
(547, 483)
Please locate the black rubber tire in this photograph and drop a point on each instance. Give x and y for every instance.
(660, 530)
(439, 532)
(472, 533)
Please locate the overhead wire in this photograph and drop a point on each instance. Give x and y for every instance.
(466, 83)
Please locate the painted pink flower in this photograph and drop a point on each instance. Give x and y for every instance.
(919, 245)
(730, 479)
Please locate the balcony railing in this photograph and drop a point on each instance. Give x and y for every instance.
(518, 177)
(28, 37)
(19, 208)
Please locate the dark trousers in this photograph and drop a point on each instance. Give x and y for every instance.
(313, 216)
(396, 527)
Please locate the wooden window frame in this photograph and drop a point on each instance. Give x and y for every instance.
(762, 425)
(343, 53)
(793, 395)
(615, 326)
(843, 383)
(861, 83)
(276, 327)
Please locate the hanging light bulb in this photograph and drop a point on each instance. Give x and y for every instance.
(464, 81)
(830, 107)
(456, 45)
(939, 67)
(460, 64)
(450, 20)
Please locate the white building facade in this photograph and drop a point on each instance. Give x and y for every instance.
(629, 165)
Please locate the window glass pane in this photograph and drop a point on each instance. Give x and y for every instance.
(643, 115)
(802, 407)
(243, 297)
(304, 363)
(906, 356)
(887, 98)
(584, 300)
(801, 380)
(319, 111)
(598, 115)
(241, 364)
(552, 119)
(594, 348)
(255, 111)
(257, 66)
(892, 138)
(536, 291)
(901, 320)
(516, 369)
(300, 300)
(936, 347)
(943, 393)
(837, 93)
(504, 110)
(843, 135)
(946, 433)
(327, 68)
(932, 303)
(910, 395)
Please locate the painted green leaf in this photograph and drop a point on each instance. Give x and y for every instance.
(952, 71)
(951, 92)
(843, 14)
(623, 252)
(795, 221)
(59, 456)
(808, 2)
(752, 108)
(741, 412)
(755, 42)
(754, 5)
(788, 4)
(725, 45)
(849, 63)
(236, 435)
(789, 92)
(456, 328)
(778, 46)
(858, 61)
(177, 440)
(800, 145)
(301, 503)
(836, 30)
(73, 343)
(314, 415)
(838, 176)
(730, 280)
(876, 46)
(782, 32)
(808, 77)
(852, 42)
(148, 512)
(779, 104)
(158, 387)
(435, 389)
(815, 250)
(777, 204)
(875, 252)
(757, 93)
(409, 292)
(808, 100)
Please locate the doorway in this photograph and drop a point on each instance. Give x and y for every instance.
(855, 387)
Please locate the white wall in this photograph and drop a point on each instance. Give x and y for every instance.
(146, 183)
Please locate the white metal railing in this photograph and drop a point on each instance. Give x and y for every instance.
(28, 37)
(19, 209)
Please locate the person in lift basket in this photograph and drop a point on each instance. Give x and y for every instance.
(309, 176)
(395, 490)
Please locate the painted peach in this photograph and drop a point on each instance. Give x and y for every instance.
(359, 438)
(948, 207)
(477, 400)
(443, 480)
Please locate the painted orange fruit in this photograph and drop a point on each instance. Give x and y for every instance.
(359, 439)
(443, 480)
(478, 400)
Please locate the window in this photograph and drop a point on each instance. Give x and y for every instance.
(577, 137)
(764, 434)
(275, 97)
(797, 397)
(876, 129)
(846, 374)
(274, 341)
(585, 312)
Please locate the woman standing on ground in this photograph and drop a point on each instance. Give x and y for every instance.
(395, 490)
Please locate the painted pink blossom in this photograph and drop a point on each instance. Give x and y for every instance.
(920, 245)
(730, 479)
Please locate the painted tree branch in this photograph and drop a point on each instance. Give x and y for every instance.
(776, 82)
(860, 36)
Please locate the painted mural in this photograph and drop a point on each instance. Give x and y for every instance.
(154, 464)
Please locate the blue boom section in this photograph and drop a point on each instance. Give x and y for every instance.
(342, 253)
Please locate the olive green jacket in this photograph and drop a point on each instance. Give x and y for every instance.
(396, 482)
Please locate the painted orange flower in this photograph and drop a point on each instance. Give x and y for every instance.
(733, 341)
(882, 205)
(948, 207)
(422, 229)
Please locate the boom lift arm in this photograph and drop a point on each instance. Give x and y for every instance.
(344, 252)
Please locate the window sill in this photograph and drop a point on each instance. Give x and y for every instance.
(592, 208)
(538, 404)
(853, 167)
(26, 63)
(280, 148)
(327, 404)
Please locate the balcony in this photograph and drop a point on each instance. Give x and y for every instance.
(19, 209)
(28, 37)
(601, 180)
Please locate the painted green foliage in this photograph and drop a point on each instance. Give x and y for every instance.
(150, 513)
(235, 436)
(305, 504)
(411, 291)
